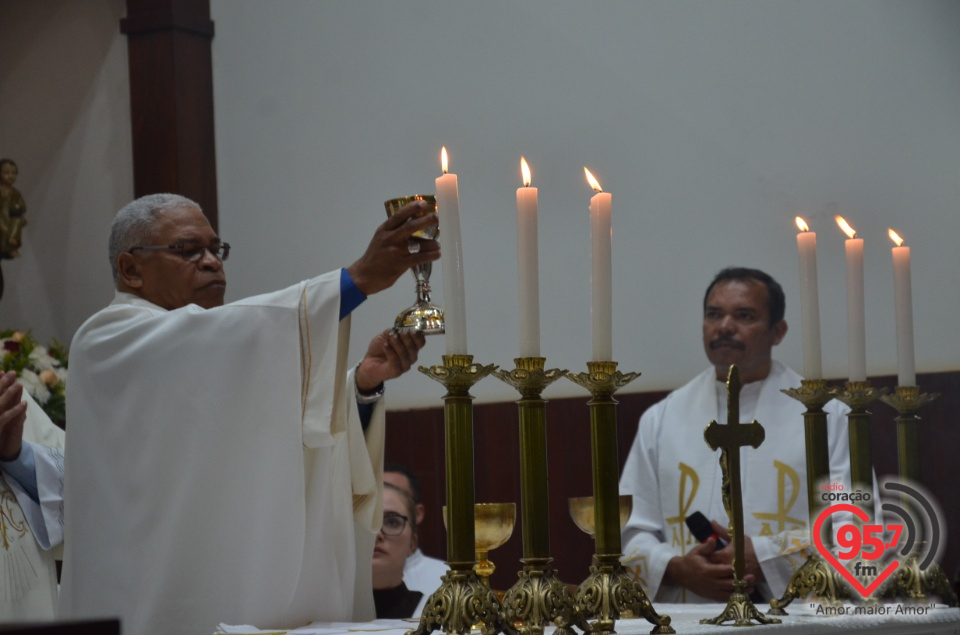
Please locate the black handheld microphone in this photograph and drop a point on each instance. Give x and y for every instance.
(702, 530)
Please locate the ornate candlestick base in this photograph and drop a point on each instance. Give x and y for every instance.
(814, 394)
(817, 578)
(740, 610)
(916, 585)
(608, 590)
(538, 598)
(462, 599)
(461, 603)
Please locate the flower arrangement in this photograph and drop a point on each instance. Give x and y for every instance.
(42, 370)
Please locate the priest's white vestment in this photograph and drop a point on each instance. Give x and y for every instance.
(671, 473)
(31, 532)
(216, 469)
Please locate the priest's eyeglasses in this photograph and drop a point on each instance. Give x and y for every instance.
(393, 524)
(190, 250)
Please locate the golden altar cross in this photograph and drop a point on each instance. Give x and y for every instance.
(730, 438)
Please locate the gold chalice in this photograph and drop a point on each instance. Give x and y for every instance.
(424, 316)
(581, 511)
(493, 525)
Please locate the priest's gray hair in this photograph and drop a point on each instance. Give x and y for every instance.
(133, 224)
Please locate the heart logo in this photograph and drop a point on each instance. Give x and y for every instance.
(829, 557)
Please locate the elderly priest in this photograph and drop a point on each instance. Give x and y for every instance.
(217, 467)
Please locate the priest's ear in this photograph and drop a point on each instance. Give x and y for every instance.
(779, 330)
(128, 266)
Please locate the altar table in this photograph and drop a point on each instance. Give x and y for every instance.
(805, 618)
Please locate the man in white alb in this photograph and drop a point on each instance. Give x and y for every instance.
(672, 473)
(217, 466)
(31, 518)
(420, 572)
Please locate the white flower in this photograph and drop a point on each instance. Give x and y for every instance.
(31, 382)
(40, 359)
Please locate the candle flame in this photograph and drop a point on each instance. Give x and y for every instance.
(525, 172)
(802, 225)
(845, 226)
(592, 181)
(895, 237)
(443, 159)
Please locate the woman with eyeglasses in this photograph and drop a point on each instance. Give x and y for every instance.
(395, 542)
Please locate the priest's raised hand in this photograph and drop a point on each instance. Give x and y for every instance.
(389, 254)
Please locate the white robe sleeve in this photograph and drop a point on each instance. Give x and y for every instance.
(646, 553)
(46, 516)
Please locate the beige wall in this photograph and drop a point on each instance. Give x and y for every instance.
(712, 123)
(64, 118)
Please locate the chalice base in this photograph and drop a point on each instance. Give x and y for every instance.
(539, 599)
(462, 602)
(609, 591)
(740, 610)
(816, 577)
(423, 317)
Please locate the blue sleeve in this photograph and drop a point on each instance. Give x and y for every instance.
(366, 411)
(350, 296)
(23, 470)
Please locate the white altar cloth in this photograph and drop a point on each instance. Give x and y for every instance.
(685, 618)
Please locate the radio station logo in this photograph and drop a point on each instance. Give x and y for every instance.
(868, 553)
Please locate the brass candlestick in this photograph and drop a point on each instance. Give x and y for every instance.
(815, 576)
(608, 590)
(914, 580)
(538, 598)
(858, 395)
(462, 599)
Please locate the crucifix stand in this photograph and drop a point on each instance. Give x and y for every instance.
(730, 438)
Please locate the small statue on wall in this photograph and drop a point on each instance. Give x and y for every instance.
(13, 211)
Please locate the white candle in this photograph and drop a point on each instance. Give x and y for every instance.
(809, 301)
(454, 310)
(906, 368)
(528, 269)
(856, 322)
(601, 237)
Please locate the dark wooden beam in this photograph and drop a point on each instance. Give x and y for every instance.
(171, 99)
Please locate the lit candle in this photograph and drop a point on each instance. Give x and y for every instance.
(906, 368)
(454, 310)
(809, 301)
(528, 265)
(601, 237)
(856, 324)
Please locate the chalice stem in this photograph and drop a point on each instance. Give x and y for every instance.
(484, 568)
(423, 285)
